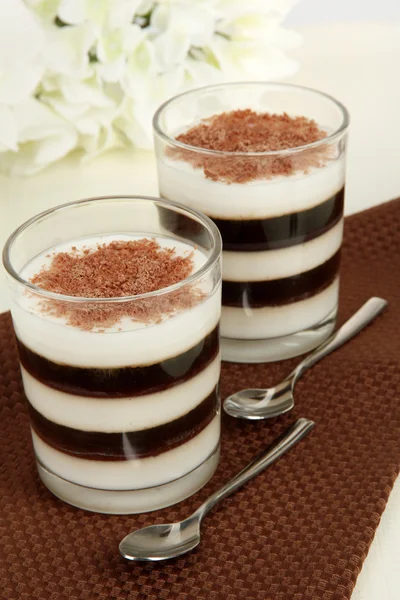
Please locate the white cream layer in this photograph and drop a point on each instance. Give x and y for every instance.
(281, 195)
(134, 473)
(131, 501)
(121, 414)
(277, 321)
(136, 344)
(285, 262)
(141, 346)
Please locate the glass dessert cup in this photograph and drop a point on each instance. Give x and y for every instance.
(125, 417)
(280, 214)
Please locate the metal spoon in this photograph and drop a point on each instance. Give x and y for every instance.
(272, 402)
(160, 542)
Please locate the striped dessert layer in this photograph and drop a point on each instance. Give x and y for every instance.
(134, 474)
(129, 343)
(285, 262)
(283, 231)
(121, 500)
(277, 292)
(125, 381)
(268, 322)
(93, 445)
(112, 414)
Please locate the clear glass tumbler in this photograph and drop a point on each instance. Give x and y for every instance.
(124, 418)
(281, 233)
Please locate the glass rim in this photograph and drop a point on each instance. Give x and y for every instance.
(339, 131)
(206, 221)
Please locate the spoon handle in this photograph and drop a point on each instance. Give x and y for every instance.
(277, 449)
(367, 313)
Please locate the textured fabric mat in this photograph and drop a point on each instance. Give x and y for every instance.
(299, 531)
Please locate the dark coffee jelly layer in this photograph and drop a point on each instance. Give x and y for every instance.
(126, 445)
(257, 294)
(124, 381)
(283, 231)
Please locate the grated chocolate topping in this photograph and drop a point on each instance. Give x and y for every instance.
(113, 270)
(245, 131)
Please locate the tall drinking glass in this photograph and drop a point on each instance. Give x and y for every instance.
(280, 214)
(125, 418)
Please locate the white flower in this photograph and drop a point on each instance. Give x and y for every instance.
(21, 41)
(114, 49)
(89, 74)
(251, 60)
(21, 35)
(111, 13)
(8, 130)
(177, 27)
(76, 12)
(70, 50)
(200, 72)
(45, 9)
(145, 89)
(43, 137)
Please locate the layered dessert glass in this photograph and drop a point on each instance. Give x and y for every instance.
(266, 162)
(116, 309)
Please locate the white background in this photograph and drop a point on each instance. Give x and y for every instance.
(308, 12)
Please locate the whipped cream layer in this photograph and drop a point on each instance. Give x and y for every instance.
(259, 199)
(126, 343)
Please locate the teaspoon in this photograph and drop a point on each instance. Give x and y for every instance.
(161, 542)
(272, 402)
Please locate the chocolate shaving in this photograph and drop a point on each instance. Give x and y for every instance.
(245, 131)
(113, 270)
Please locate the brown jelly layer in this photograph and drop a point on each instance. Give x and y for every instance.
(126, 445)
(283, 231)
(257, 294)
(124, 381)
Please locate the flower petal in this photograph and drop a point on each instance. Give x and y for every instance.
(35, 121)
(112, 72)
(87, 91)
(70, 50)
(106, 139)
(21, 36)
(123, 12)
(199, 73)
(69, 112)
(74, 12)
(45, 9)
(43, 139)
(121, 41)
(8, 129)
(19, 83)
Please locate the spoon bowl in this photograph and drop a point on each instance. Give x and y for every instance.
(254, 404)
(271, 402)
(161, 542)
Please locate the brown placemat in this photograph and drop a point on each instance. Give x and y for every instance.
(300, 531)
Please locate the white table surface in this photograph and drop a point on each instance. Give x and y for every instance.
(357, 63)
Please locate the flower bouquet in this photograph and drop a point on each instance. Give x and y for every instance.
(88, 75)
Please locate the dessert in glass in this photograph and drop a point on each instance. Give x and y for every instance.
(116, 308)
(266, 162)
